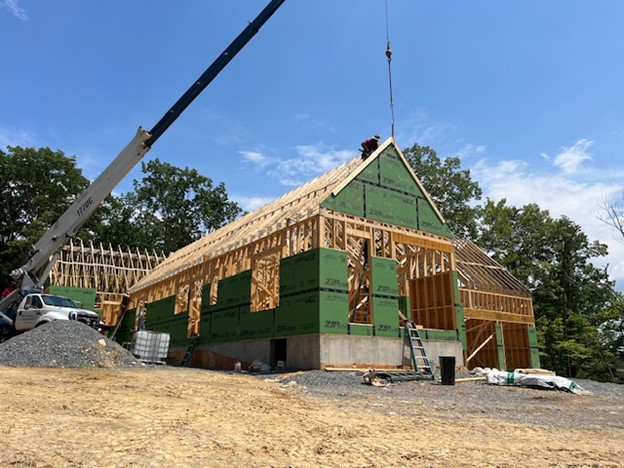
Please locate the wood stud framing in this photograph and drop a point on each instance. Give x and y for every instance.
(429, 269)
(105, 269)
(428, 266)
(110, 271)
(516, 341)
(487, 290)
(265, 268)
(481, 338)
(424, 265)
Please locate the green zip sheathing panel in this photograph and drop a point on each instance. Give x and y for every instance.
(318, 269)
(158, 311)
(428, 220)
(386, 316)
(126, 329)
(386, 205)
(313, 285)
(393, 173)
(404, 305)
(235, 290)
(224, 325)
(219, 325)
(439, 335)
(85, 296)
(255, 325)
(312, 312)
(384, 277)
(334, 312)
(357, 329)
(205, 324)
(433, 334)
(349, 200)
(535, 358)
(160, 318)
(371, 173)
(386, 191)
(500, 343)
(461, 326)
(176, 326)
(459, 311)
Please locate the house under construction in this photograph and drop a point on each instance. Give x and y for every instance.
(325, 275)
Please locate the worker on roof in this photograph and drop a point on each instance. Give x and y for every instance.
(370, 145)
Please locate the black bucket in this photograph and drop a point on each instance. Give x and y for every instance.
(447, 369)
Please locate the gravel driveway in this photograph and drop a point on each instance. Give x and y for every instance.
(603, 407)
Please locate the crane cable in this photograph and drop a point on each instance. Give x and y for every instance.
(389, 56)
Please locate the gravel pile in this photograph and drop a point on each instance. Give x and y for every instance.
(64, 343)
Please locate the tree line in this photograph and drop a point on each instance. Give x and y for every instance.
(579, 314)
(168, 208)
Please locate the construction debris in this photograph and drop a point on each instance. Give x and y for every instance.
(381, 378)
(543, 381)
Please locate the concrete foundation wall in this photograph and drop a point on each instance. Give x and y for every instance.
(315, 351)
(302, 352)
(246, 351)
(340, 351)
(435, 349)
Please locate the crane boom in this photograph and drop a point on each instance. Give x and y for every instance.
(77, 214)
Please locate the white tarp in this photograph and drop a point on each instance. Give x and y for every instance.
(550, 382)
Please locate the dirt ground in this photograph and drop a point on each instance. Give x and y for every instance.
(166, 417)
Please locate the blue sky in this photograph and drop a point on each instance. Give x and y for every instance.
(529, 93)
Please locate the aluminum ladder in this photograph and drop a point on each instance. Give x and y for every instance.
(420, 361)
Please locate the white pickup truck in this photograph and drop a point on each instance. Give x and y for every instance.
(37, 309)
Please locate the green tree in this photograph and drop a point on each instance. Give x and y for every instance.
(611, 335)
(516, 238)
(169, 208)
(553, 257)
(122, 223)
(451, 187)
(36, 187)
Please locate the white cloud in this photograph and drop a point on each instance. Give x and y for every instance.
(259, 160)
(250, 203)
(14, 9)
(561, 192)
(570, 159)
(469, 150)
(312, 161)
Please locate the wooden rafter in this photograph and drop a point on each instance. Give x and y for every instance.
(105, 269)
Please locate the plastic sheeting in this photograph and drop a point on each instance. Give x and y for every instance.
(548, 382)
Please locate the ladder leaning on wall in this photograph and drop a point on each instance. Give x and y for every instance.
(420, 361)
